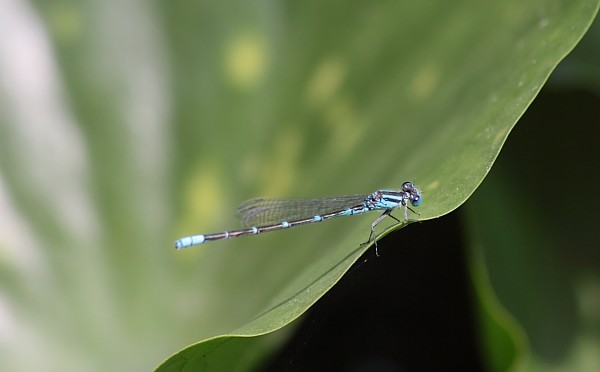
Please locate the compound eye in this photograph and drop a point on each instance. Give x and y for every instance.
(407, 186)
(416, 201)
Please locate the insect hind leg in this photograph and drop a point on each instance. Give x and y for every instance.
(372, 236)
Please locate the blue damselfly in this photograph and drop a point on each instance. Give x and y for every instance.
(263, 214)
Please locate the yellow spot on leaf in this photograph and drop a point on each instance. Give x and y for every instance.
(281, 172)
(66, 23)
(346, 127)
(424, 82)
(245, 60)
(325, 82)
(202, 201)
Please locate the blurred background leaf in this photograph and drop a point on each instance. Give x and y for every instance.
(127, 124)
(544, 261)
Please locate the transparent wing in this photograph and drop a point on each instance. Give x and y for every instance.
(266, 211)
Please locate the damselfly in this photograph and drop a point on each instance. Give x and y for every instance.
(262, 214)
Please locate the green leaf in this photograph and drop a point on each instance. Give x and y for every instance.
(540, 249)
(439, 89)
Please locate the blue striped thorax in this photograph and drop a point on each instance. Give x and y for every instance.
(391, 199)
